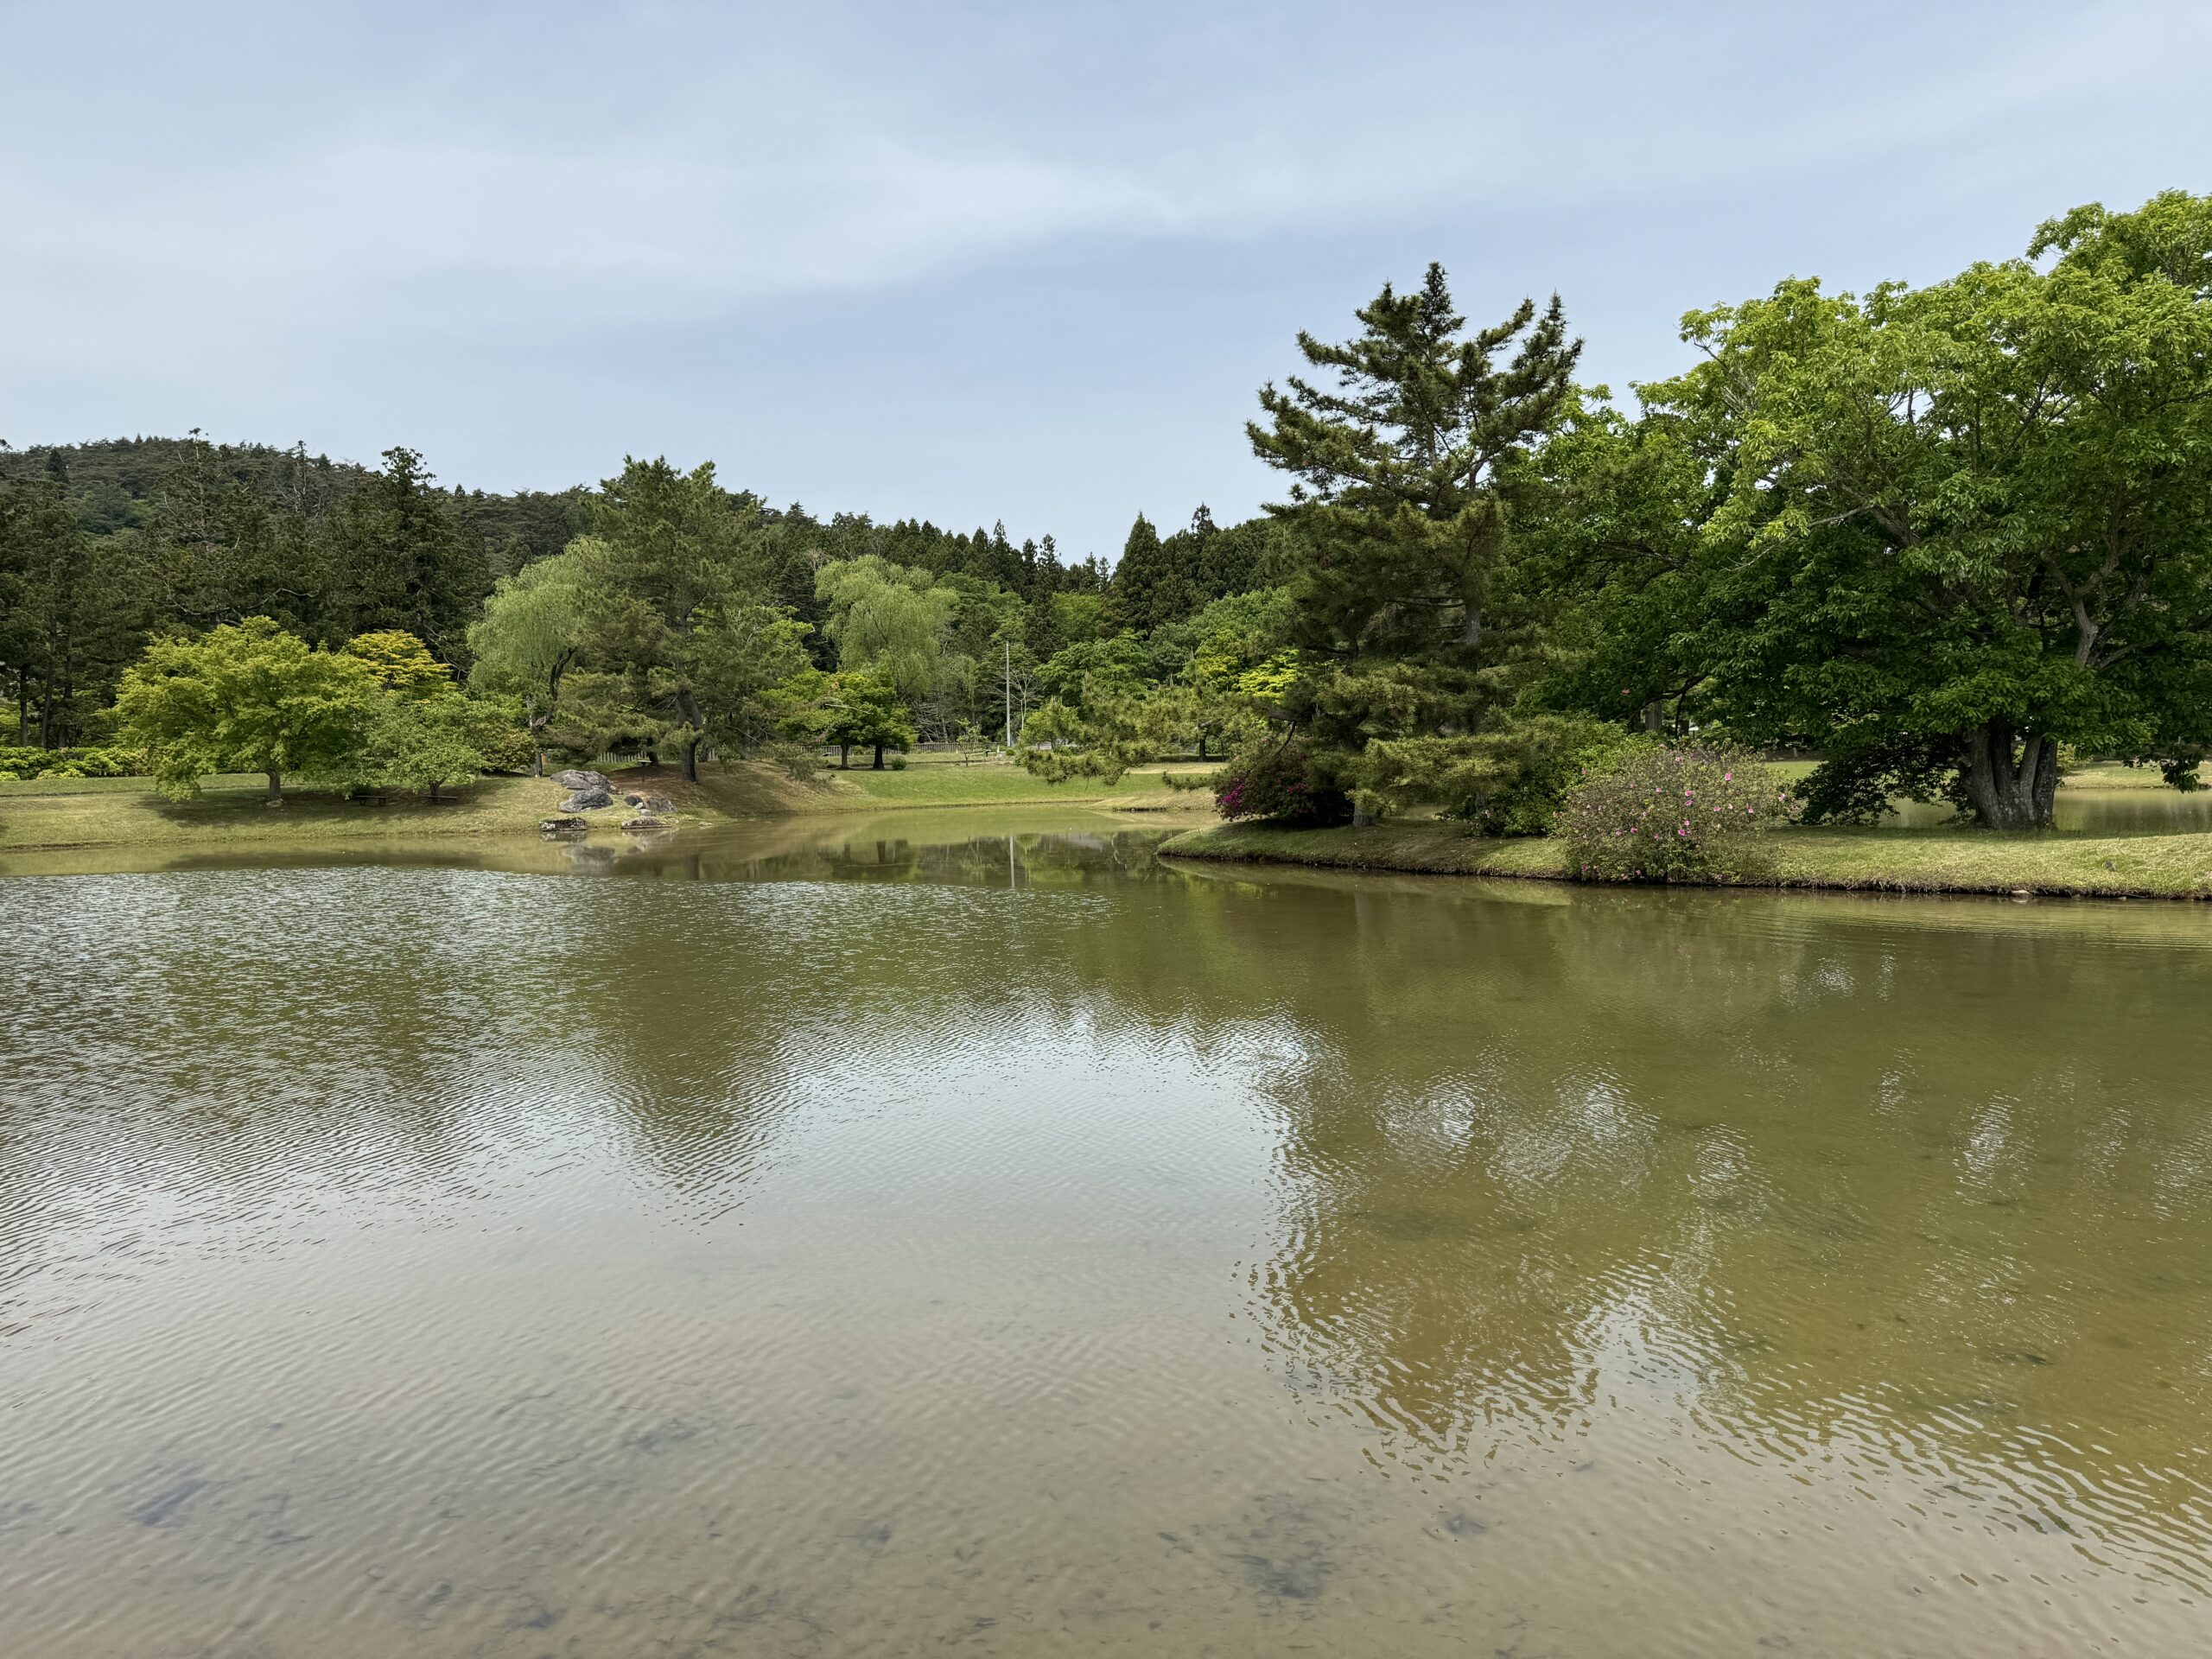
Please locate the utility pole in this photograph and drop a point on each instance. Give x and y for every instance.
(1009, 693)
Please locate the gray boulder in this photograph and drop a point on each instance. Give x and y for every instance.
(560, 828)
(584, 800)
(648, 824)
(657, 804)
(573, 780)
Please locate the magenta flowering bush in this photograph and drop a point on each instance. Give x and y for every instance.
(1661, 814)
(1279, 782)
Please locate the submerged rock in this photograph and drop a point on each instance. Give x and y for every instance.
(573, 780)
(584, 800)
(646, 823)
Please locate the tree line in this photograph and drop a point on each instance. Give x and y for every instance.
(1946, 538)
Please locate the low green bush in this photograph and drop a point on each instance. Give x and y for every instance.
(18, 763)
(1662, 814)
(795, 760)
(1191, 780)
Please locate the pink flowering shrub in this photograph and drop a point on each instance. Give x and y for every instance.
(1280, 783)
(1671, 815)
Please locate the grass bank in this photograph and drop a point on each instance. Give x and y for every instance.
(1890, 861)
(230, 815)
(1001, 783)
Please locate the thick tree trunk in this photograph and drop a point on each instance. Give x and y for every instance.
(844, 757)
(434, 794)
(276, 789)
(2012, 779)
(687, 704)
(877, 766)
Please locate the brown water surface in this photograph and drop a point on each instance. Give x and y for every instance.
(967, 1231)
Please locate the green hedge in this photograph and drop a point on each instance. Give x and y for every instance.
(18, 764)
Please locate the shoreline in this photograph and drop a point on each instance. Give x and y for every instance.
(2168, 866)
(231, 815)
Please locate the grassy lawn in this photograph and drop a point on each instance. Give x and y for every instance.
(1928, 860)
(230, 813)
(1001, 783)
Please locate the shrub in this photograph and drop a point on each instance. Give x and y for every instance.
(795, 760)
(21, 763)
(506, 748)
(1280, 781)
(897, 763)
(1659, 814)
(1508, 781)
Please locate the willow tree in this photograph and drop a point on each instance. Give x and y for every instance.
(1409, 617)
(529, 638)
(1968, 523)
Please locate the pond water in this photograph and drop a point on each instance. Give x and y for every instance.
(975, 1233)
(2097, 809)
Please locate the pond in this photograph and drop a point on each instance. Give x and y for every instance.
(973, 1231)
(2097, 808)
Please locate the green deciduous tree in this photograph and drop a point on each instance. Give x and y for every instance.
(245, 698)
(1966, 523)
(425, 744)
(861, 709)
(402, 664)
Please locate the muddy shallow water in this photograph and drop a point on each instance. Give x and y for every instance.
(968, 1231)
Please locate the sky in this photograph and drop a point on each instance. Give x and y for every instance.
(976, 261)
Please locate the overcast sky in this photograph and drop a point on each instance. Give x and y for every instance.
(975, 262)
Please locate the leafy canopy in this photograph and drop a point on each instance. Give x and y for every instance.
(1951, 528)
(244, 697)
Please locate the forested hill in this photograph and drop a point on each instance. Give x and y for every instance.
(113, 484)
(108, 544)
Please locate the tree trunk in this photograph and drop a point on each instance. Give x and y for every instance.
(844, 757)
(877, 767)
(276, 789)
(2011, 779)
(691, 761)
(434, 794)
(1202, 747)
(1362, 812)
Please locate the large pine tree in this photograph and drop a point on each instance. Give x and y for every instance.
(1408, 618)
